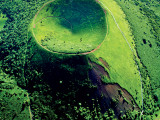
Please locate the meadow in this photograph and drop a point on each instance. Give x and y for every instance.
(144, 19)
(146, 34)
(70, 27)
(119, 54)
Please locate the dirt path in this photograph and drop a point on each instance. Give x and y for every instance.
(104, 63)
(39, 11)
(30, 112)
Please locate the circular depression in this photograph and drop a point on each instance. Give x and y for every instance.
(70, 27)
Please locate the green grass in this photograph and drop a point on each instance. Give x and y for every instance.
(117, 53)
(70, 27)
(3, 19)
(146, 34)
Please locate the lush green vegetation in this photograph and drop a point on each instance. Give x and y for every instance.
(14, 101)
(117, 53)
(146, 36)
(70, 27)
(56, 86)
(56, 83)
(2, 20)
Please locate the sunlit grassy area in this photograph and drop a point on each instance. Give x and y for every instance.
(70, 27)
(116, 51)
(147, 34)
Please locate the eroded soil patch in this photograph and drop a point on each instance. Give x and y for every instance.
(115, 97)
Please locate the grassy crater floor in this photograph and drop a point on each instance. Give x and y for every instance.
(70, 27)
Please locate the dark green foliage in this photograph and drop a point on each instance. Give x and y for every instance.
(14, 103)
(14, 41)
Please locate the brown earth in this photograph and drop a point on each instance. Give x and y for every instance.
(104, 63)
(116, 97)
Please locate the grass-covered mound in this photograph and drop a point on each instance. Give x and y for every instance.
(70, 26)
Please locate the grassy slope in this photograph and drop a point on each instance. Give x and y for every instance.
(117, 53)
(149, 52)
(2, 21)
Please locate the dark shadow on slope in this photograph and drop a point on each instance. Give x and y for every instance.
(83, 15)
